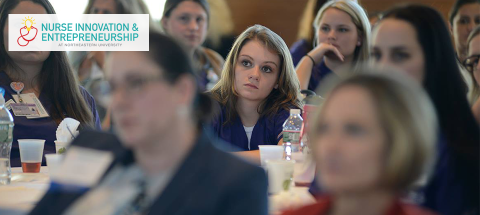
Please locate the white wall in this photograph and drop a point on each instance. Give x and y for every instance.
(78, 6)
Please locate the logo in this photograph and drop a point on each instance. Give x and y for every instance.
(25, 37)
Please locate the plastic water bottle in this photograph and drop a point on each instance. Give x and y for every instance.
(291, 134)
(6, 138)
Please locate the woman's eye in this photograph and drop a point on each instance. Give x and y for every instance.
(184, 18)
(477, 21)
(246, 63)
(355, 130)
(324, 28)
(322, 129)
(343, 30)
(399, 56)
(266, 69)
(464, 21)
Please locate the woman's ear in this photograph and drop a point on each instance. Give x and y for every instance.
(185, 86)
(359, 41)
(164, 23)
(276, 86)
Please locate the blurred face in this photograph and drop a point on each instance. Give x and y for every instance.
(468, 16)
(336, 28)
(473, 56)
(104, 7)
(143, 104)
(351, 142)
(395, 44)
(30, 57)
(187, 24)
(256, 71)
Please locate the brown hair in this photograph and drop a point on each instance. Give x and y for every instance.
(56, 79)
(170, 5)
(288, 90)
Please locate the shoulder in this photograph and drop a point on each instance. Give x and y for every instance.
(410, 209)
(319, 208)
(87, 96)
(213, 55)
(97, 140)
(215, 59)
(284, 112)
(300, 46)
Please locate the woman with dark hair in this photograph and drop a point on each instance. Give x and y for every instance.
(186, 21)
(472, 63)
(462, 19)
(48, 76)
(414, 39)
(166, 163)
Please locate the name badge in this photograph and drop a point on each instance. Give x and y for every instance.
(23, 109)
(82, 167)
(31, 98)
(8, 103)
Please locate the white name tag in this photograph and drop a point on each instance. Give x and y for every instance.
(82, 167)
(24, 109)
(31, 98)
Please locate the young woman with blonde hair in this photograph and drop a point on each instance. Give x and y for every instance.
(257, 89)
(342, 37)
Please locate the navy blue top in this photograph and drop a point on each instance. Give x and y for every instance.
(41, 128)
(267, 130)
(446, 192)
(319, 71)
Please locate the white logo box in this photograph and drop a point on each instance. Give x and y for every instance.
(83, 32)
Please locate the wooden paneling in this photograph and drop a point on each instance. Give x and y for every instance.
(282, 16)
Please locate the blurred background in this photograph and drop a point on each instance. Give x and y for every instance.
(281, 16)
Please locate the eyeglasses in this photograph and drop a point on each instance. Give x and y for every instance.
(471, 62)
(131, 87)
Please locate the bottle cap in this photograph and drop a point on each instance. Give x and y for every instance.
(294, 111)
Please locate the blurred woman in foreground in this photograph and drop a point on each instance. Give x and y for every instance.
(372, 140)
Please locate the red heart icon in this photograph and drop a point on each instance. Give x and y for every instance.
(17, 86)
(28, 35)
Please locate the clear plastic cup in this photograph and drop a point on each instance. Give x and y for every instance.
(280, 175)
(60, 147)
(31, 154)
(53, 162)
(270, 152)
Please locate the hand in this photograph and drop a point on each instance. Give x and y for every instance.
(325, 49)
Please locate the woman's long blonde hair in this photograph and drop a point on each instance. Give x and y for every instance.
(285, 96)
(359, 18)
